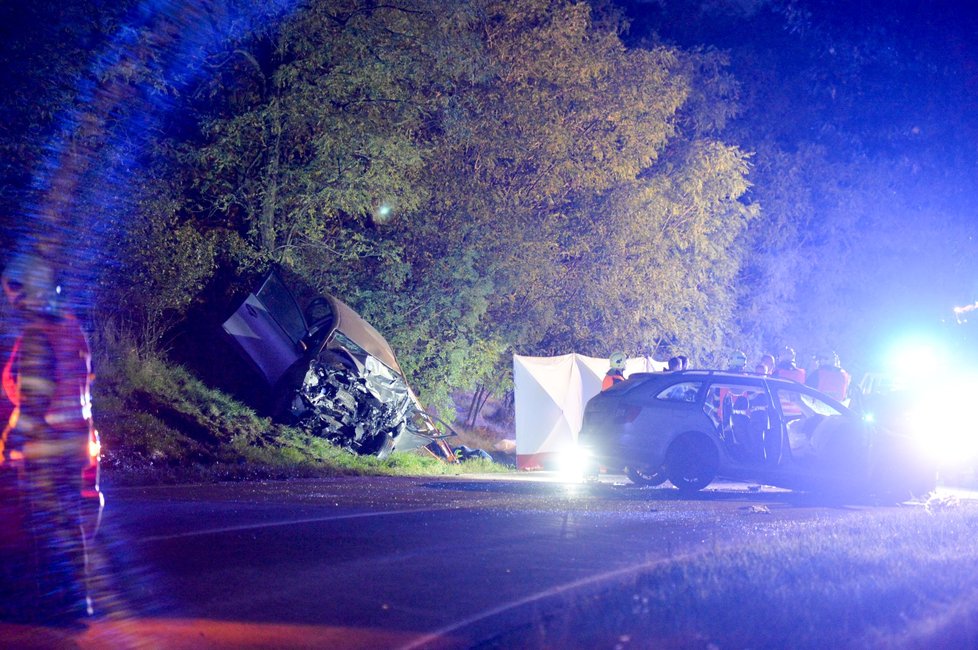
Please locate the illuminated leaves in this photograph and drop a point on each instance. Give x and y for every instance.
(475, 178)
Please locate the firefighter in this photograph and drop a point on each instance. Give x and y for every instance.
(786, 367)
(829, 377)
(766, 365)
(46, 380)
(738, 362)
(616, 373)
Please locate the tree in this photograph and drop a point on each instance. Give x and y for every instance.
(460, 176)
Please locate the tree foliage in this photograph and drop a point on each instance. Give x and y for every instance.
(860, 120)
(475, 178)
(465, 175)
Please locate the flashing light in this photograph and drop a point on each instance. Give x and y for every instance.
(914, 359)
(94, 448)
(943, 421)
(959, 312)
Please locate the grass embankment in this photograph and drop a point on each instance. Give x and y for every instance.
(891, 579)
(159, 423)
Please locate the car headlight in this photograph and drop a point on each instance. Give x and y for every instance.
(575, 463)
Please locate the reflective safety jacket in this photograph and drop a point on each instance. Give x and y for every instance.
(790, 372)
(613, 377)
(830, 380)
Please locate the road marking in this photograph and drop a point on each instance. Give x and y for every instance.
(438, 635)
(311, 520)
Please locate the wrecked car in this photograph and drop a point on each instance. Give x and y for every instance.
(692, 426)
(329, 371)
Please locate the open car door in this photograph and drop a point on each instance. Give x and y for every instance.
(269, 328)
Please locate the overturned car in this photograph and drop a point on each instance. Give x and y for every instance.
(327, 370)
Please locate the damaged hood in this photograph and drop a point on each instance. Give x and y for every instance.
(328, 369)
(351, 324)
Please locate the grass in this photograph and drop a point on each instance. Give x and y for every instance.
(899, 578)
(159, 424)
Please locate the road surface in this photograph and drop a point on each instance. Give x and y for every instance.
(446, 562)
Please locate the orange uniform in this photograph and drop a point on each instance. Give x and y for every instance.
(613, 377)
(830, 380)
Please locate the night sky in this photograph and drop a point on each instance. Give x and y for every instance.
(890, 75)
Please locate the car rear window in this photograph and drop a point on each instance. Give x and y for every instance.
(682, 392)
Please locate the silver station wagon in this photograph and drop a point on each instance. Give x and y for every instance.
(693, 426)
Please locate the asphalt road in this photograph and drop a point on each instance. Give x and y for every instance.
(389, 562)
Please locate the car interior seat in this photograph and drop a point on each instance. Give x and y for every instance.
(765, 442)
(740, 421)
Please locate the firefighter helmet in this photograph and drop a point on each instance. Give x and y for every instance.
(738, 360)
(617, 360)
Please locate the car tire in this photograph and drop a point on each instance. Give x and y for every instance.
(691, 462)
(641, 476)
(385, 447)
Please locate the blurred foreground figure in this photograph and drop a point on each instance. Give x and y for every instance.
(45, 441)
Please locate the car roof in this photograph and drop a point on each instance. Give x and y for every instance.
(706, 374)
(666, 378)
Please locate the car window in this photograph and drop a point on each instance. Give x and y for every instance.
(809, 421)
(350, 346)
(819, 406)
(798, 403)
(723, 400)
(682, 392)
(279, 302)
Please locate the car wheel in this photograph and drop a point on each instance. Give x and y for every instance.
(645, 477)
(381, 446)
(691, 462)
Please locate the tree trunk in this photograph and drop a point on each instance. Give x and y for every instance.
(475, 405)
(266, 231)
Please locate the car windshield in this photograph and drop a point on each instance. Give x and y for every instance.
(344, 341)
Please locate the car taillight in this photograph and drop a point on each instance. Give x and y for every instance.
(630, 413)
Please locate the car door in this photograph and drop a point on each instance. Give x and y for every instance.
(822, 434)
(655, 413)
(269, 328)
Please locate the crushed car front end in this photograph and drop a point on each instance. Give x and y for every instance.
(330, 371)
